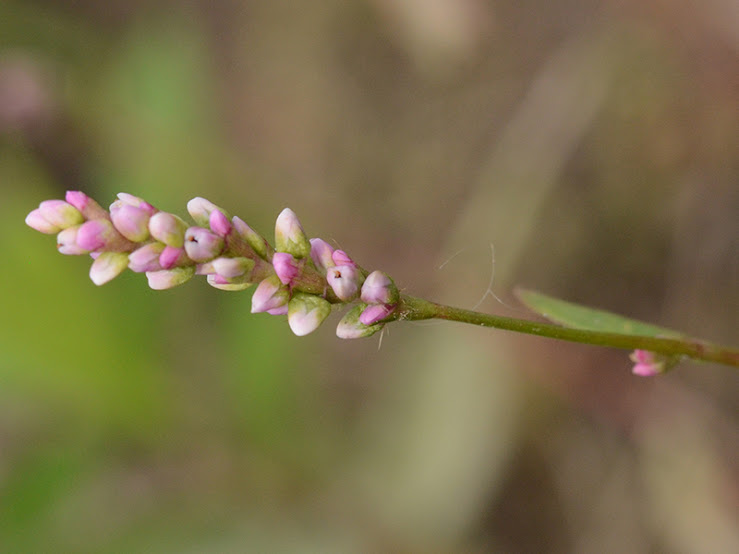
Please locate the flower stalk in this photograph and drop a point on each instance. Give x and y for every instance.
(415, 309)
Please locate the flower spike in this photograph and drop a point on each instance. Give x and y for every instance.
(306, 279)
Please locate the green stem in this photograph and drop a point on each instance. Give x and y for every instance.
(415, 309)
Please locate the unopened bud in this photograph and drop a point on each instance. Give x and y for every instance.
(107, 266)
(270, 295)
(231, 268)
(60, 213)
(99, 234)
(351, 328)
(200, 210)
(146, 258)
(173, 257)
(306, 312)
(129, 199)
(169, 278)
(286, 267)
(321, 254)
(219, 223)
(35, 220)
(289, 235)
(345, 281)
(342, 258)
(252, 238)
(647, 364)
(202, 245)
(374, 313)
(231, 285)
(131, 222)
(378, 288)
(86, 205)
(168, 228)
(66, 242)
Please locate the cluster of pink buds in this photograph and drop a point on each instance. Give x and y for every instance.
(301, 278)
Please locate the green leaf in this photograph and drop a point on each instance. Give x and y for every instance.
(590, 319)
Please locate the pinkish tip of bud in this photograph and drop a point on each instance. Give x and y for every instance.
(342, 258)
(378, 288)
(35, 220)
(146, 258)
(86, 205)
(200, 210)
(219, 223)
(129, 199)
(374, 313)
(95, 234)
(168, 228)
(132, 222)
(66, 242)
(107, 266)
(306, 312)
(171, 257)
(289, 235)
(286, 267)
(321, 254)
(269, 295)
(169, 278)
(60, 213)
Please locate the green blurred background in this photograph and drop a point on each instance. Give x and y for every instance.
(592, 145)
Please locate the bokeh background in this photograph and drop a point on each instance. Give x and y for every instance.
(585, 149)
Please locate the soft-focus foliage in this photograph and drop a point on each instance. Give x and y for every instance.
(592, 143)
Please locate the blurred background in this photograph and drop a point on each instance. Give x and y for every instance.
(584, 149)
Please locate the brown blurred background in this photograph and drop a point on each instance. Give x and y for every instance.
(585, 149)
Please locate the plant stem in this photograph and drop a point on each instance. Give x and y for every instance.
(415, 309)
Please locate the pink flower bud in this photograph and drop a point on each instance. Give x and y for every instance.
(172, 257)
(168, 228)
(231, 285)
(202, 245)
(146, 258)
(345, 281)
(286, 267)
(282, 310)
(232, 267)
(306, 312)
(98, 234)
(270, 294)
(169, 278)
(342, 258)
(219, 223)
(86, 205)
(351, 328)
(646, 364)
(66, 242)
(131, 222)
(289, 235)
(378, 288)
(374, 313)
(129, 199)
(252, 238)
(321, 254)
(60, 213)
(108, 266)
(200, 210)
(35, 220)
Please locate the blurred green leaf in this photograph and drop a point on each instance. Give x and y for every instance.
(591, 319)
